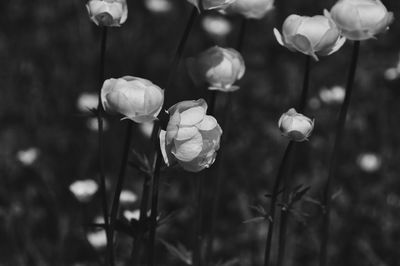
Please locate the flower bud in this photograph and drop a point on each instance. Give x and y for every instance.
(211, 4)
(219, 67)
(295, 126)
(317, 35)
(137, 99)
(107, 13)
(361, 19)
(255, 9)
(192, 138)
(84, 190)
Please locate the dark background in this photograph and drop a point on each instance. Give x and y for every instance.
(49, 57)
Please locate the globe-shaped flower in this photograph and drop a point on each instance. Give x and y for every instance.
(253, 9)
(219, 67)
(361, 19)
(137, 99)
(108, 13)
(211, 4)
(317, 35)
(192, 138)
(295, 126)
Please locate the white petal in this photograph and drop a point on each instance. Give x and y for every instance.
(208, 123)
(192, 116)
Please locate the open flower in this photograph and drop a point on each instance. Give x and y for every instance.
(361, 19)
(137, 99)
(295, 126)
(317, 35)
(192, 138)
(254, 9)
(108, 13)
(211, 4)
(219, 67)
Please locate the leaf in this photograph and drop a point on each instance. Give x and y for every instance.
(299, 193)
(255, 219)
(337, 194)
(269, 195)
(259, 209)
(181, 252)
(229, 262)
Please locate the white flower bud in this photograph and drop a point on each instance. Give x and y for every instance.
(107, 13)
(295, 126)
(137, 99)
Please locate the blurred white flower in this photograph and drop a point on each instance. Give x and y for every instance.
(146, 128)
(28, 156)
(391, 73)
(369, 162)
(127, 197)
(314, 103)
(84, 190)
(129, 215)
(158, 6)
(87, 101)
(97, 239)
(216, 25)
(333, 95)
(93, 125)
(98, 219)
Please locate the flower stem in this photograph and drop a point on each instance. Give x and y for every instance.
(197, 258)
(100, 111)
(323, 259)
(155, 136)
(121, 178)
(218, 164)
(284, 168)
(154, 202)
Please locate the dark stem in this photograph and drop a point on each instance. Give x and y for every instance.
(181, 47)
(100, 111)
(154, 202)
(121, 177)
(333, 160)
(197, 259)
(218, 164)
(284, 168)
(155, 133)
(137, 247)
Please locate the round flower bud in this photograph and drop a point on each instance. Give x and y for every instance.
(254, 9)
(192, 138)
(108, 13)
(137, 99)
(84, 190)
(361, 19)
(295, 126)
(219, 67)
(211, 4)
(317, 35)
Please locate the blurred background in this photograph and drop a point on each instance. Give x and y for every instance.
(48, 157)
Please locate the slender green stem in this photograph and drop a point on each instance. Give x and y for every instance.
(100, 111)
(284, 168)
(121, 177)
(218, 164)
(323, 259)
(154, 203)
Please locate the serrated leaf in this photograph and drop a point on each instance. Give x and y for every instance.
(255, 219)
(181, 252)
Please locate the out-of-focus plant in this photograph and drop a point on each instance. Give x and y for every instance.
(210, 4)
(250, 9)
(313, 36)
(219, 67)
(361, 19)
